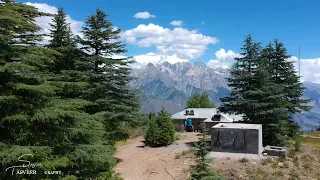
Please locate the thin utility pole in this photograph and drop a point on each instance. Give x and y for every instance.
(299, 61)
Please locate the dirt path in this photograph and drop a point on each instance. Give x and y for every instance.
(145, 163)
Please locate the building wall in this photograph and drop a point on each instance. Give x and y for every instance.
(179, 123)
(196, 124)
(236, 140)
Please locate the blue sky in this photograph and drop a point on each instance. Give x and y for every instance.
(293, 22)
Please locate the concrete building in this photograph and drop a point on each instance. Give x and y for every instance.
(211, 116)
(237, 138)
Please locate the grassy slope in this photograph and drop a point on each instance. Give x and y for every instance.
(303, 165)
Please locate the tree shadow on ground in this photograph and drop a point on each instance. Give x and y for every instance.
(118, 160)
(194, 143)
(142, 146)
(191, 144)
(153, 146)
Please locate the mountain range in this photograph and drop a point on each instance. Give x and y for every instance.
(171, 85)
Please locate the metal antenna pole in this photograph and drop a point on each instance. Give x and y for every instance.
(299, 61)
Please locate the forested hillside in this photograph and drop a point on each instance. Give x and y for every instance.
(63, 105)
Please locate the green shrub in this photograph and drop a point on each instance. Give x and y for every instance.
(297, 144)
(152, 133)
(161, 130)
(200, 173)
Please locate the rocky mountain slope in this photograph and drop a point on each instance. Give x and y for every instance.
(310, 120)
(170, 85)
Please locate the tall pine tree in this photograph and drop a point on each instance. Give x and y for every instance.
(283, 73)
(17, 27)
(85, 145)
(60, 31)
(265, 105)
(241, 77)
(24, 90)
(108, 77)
(42, 113)
(265, 88)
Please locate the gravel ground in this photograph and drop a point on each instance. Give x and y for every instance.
(144, 163)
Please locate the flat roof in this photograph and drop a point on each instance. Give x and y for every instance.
(237, 126)
(205, 113)
(199, 113)
(221, 121)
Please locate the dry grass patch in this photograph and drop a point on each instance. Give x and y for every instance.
(244, 160)
(315, 134)
(294, 175)
(311, 141)
(291, 153)
(257, 173)
(188, 153)
(179, 136)
(278, 173)
(307, 161)
(296, 161)
(122, 143)
(266, 161)
(304, 165)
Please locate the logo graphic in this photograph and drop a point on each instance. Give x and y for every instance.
(25, 167)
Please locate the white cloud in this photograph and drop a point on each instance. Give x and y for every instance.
(144, 59)
(118, 56)
(143, 15)
(203, 22)
(317, 76)
(176, 23)
(43, 7)
(309, 70)
(223, 59)
(218, 64)
(44, 22)
(179, 42)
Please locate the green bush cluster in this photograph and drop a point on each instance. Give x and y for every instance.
(161, 130)
(297, 144)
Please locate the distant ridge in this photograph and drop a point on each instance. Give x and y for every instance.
(170, 85)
